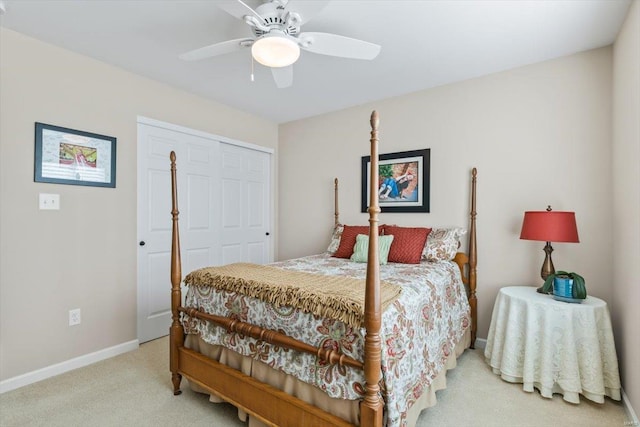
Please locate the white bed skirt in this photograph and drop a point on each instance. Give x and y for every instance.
(345, 409)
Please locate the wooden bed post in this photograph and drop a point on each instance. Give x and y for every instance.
(336, 214)
(473, 261)
(176, 333)
(371, 406)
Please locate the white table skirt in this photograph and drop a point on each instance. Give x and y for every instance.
(554, 346)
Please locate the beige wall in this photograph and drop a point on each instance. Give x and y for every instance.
(626, 202)
(85, 254)
(539, 135)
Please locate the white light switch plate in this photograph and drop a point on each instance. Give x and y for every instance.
(49, 201)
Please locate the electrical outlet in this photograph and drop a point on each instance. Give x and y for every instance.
(74, 317)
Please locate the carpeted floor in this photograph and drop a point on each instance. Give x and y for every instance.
(134, 389)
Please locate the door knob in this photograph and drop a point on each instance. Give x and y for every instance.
(142, 243)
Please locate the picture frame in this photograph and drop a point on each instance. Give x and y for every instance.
(74, 157)
(404, 181)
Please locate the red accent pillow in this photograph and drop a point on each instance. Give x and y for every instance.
(408, 243)
(348, 239)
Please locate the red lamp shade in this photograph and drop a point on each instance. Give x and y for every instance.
(550, 226)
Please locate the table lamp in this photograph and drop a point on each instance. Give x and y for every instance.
(549, 226)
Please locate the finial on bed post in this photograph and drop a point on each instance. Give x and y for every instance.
(375, 121)
(336, 214)
(473, 260)
(371, 407)
(176, 332)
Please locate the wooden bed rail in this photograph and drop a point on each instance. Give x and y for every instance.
(272, 337)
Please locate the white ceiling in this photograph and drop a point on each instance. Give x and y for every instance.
(424, 44)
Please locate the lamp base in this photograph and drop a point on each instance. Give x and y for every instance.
(547, 267)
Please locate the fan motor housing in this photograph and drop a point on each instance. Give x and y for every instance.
(274, 17)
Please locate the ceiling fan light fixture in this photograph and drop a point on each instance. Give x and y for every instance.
(274, 50)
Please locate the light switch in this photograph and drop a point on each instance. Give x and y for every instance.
(49, 201)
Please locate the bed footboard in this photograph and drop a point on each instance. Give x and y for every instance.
(270, 405)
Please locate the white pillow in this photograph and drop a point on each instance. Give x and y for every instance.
(335, 239)
(442, 244)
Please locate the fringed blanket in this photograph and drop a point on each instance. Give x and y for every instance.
(337, 297)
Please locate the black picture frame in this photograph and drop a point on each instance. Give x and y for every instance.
(403, 195)
(74, 157)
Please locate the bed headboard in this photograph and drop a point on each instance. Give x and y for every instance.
(467, 262)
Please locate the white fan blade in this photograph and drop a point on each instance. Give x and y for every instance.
(283, 76)
(335, 45)
(238, 8)
(216, 49)
(306, 9)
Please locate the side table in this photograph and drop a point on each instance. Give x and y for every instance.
(554, 346)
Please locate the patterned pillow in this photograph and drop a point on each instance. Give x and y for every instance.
(361, 249)
(348, 239)
(442, 244)
(335, 239)
(408, 243)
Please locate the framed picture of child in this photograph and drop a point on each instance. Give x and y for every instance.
(403, 181)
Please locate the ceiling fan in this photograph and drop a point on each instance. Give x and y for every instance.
(277, 39)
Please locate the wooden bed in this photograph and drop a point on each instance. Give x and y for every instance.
(268, 404)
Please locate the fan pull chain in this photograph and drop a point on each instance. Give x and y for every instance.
(252, 78)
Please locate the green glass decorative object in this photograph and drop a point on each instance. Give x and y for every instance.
(579, 290)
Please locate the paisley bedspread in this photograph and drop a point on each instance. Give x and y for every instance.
(419, 330)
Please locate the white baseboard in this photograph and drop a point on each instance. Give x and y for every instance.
(481, 343)
(88, 359)
(66, 366)
(631, 414)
